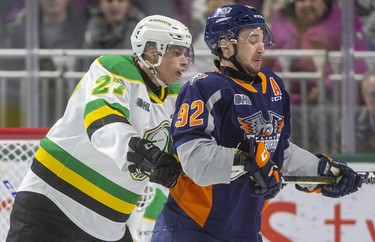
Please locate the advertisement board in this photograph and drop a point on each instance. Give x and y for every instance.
(302, 217)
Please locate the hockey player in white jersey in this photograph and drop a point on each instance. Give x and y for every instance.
(113, 138)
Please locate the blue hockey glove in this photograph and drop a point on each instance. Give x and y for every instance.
(265, 177)
(161, 167)
(348, 181)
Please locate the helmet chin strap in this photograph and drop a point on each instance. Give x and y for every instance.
(152, 69)
(154, 74)
(235, 62)
(161, 83)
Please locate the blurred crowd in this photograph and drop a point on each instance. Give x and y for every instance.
(107, 24)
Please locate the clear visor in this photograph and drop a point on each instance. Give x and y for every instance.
(260, 35)
(151, 48)
(189, 55)
(178, 50)
(255, 37)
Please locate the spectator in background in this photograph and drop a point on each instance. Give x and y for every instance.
(269, 7)
(366, 117)
(60, 26)
(366, 11)
(312, 24)
(110, 26)
(8, 12)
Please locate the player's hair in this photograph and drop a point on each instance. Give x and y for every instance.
(227, 20)
(158, 31)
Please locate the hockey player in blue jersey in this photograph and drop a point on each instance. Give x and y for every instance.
(231, 133)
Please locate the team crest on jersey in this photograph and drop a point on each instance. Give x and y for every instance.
(160, 137)
(265, 130)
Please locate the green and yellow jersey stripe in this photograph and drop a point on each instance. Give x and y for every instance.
(81, 183)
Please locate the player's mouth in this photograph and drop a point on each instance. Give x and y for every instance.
(257, 61)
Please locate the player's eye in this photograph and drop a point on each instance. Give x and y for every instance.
(253, 40)
(177, 53)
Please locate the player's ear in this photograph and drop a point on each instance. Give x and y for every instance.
(151, 55)
(226, 47)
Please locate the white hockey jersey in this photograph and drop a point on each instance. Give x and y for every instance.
(81, 164)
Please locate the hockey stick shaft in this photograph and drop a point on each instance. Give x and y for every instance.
(367, 176)
(309, 179)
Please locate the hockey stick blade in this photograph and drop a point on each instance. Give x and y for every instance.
(367, 176)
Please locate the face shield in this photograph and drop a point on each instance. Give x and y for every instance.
(189, 50)
(189, 55)
(151, 51)
(253, 37)
(267, 37)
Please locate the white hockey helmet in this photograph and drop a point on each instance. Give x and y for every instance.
(161, 32)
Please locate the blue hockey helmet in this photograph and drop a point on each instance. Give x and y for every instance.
(227, 20)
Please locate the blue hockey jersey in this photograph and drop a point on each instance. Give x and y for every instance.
(214, 114)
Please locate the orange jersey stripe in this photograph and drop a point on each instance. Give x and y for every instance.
(195, 200)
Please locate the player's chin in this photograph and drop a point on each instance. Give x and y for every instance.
(253, 70)
(256, 64)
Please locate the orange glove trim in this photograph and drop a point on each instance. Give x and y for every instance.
(262, 155)
(276, 175)
(329, 158)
